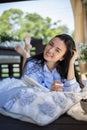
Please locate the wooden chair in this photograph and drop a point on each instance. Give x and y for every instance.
(37, 46)
(11, 61)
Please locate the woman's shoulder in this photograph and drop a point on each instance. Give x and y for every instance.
(31, 62)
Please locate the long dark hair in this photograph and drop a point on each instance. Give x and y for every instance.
(61, 66)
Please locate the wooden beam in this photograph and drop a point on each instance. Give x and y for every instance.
(77, 7)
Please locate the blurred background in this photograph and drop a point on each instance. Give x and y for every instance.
(41, 18)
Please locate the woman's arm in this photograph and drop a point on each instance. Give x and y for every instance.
(71, 71)
(71, 84)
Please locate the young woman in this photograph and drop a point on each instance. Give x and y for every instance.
(55, 68)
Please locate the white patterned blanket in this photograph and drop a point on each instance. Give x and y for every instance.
(35, 105)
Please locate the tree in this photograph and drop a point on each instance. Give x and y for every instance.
(16, 23)
(10, 21)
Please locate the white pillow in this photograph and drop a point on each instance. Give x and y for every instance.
(36, 105)
(39, 107)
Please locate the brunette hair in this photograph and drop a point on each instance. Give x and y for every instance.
(61, 66)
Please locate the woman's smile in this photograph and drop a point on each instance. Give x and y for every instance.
(49, 54)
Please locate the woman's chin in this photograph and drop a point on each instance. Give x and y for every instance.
(47, 58)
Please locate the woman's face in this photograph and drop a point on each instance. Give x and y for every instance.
(55, 50)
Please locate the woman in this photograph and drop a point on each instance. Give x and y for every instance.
(54, 68)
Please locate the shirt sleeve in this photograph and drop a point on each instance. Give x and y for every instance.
(28, 68)
(33, 72)
(71, 85)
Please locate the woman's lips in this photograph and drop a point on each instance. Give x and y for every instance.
(48, 54)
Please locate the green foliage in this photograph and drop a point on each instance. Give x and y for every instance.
(14, 22)
(82, 52)
(5, 37)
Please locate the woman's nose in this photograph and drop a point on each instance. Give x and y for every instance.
(51, 49)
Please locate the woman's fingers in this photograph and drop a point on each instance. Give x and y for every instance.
(57, 86)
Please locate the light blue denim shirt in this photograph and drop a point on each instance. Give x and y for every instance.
(46, 78)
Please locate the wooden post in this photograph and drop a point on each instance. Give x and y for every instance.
(77, 7)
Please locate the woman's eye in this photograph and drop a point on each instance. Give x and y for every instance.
(57, 50)
(50, 43)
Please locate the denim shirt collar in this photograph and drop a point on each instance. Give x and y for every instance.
(47, 70)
